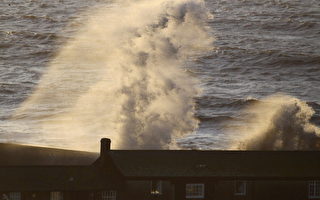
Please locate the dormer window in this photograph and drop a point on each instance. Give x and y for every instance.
(156, 187)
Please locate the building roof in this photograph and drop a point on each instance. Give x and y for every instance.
(50, 168)
(168, 164)
(15, 155)
(56, 178)
(25, 168)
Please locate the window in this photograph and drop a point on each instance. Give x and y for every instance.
(15, 196)
(195, 191)
(56, 196)
(240, 188)
(314, 189)
(109, 195)
(156, 187)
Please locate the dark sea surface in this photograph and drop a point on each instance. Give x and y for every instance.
(262, 47)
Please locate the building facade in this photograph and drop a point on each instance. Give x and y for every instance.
(33, 173)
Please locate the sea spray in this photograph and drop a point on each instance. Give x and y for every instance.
(280, 122)
(123, 76)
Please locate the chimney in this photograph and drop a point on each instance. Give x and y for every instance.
(105, 146)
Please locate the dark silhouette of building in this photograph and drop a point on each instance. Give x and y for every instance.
(36, 173)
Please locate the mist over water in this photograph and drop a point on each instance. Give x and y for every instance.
(123, 76)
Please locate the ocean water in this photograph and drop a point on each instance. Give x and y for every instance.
(260, 48)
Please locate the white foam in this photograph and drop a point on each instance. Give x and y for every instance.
(122, 77)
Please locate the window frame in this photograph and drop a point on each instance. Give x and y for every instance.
(314, 185)
(15, 195)
(109, 195)
(157, 190)
(56, 195)
(242, 193)
(192, 196)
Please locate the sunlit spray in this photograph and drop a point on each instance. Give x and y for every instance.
(279, 122)
(123, 76)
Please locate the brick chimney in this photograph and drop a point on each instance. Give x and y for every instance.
(105, 146)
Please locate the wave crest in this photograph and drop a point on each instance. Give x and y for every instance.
(280, 122)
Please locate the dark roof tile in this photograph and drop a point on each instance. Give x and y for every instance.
(15, 155)
(217, 164)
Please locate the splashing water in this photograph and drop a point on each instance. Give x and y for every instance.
(123, 77)
(280, 122)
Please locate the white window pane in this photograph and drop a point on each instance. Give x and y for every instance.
(109, 195)
(56, 196)
(314, 189)
(156, 187)
(240, 187)
(195, 190)
(15, 196)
